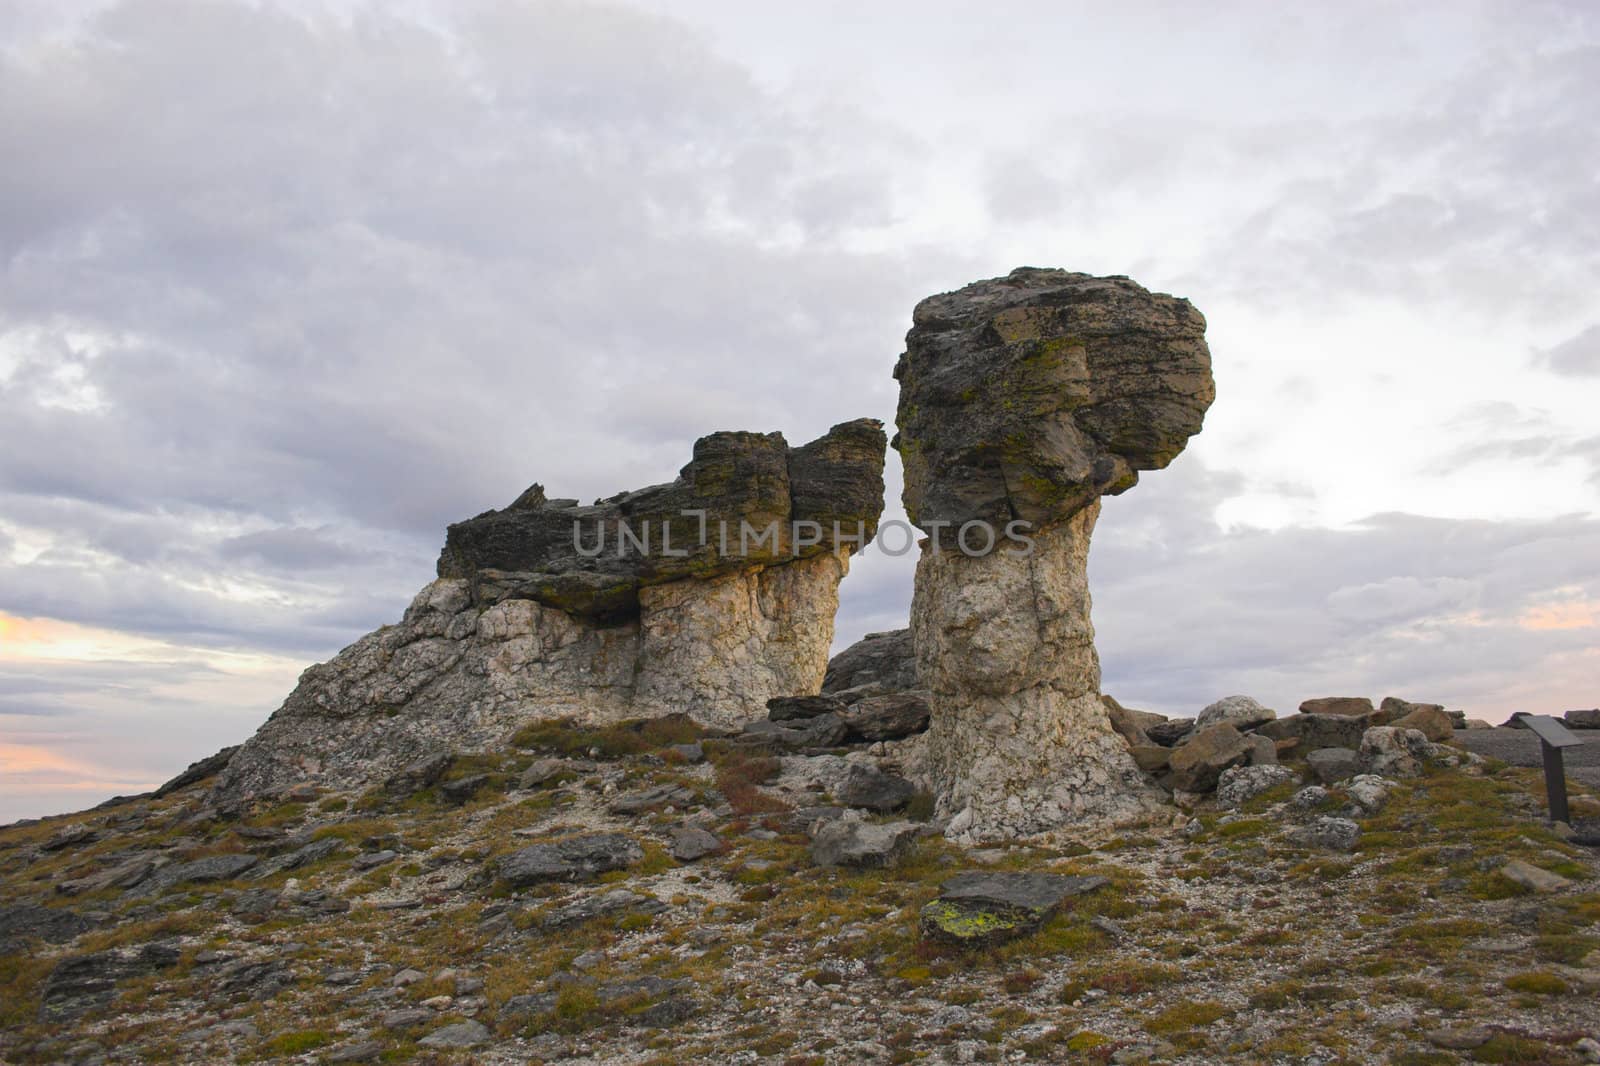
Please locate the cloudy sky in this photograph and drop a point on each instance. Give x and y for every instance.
(286, 287)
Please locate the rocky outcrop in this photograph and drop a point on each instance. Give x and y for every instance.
(521, 625)
(1023, 400)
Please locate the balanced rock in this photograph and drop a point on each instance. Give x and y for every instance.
(705, 597)
(1023, 399)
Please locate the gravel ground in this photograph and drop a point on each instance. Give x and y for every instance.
(1520, 747)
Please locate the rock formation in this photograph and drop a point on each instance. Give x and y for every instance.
(705, 597)
(1024, 399)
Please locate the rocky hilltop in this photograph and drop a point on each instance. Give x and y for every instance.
(654, 602)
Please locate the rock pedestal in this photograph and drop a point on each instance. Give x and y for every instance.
(523, 624)
(1023, 400)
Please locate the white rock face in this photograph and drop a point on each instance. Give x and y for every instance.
(452, 676)
(1020, 741)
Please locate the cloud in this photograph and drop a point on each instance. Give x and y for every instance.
(1578, 356)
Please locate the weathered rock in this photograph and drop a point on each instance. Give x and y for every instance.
(1461, 1038)
(197, 771)
(1333, 834)
(1369, 792)
(1391, 752)
(1239, 784)
(802, 708)
(887, 717)
(1131, 723)
(578, 858)
(1241, 712)
(1196, 766)
(1309, 798)
(615, 902)
(736, 483)
(458, 1035)
(255, 978)
(211, 868)
(1393, 708)
(1589, 719)
(887, 660)
(419, 774)
(1171, 732)
(691, 842)
(1023, 399)
(70, 836)
(305, 855)
(80, 983)
(1429, 720)
(521, 627)
(852, 842)
(874, 790)
(1532, 877)
(1346, 705)
(1263, 750)
(1151, 758)
(651, 799)
(124, 874)
(21, 922)
(543, 771)
(984, 909)
(463, 788)
(1332, 765)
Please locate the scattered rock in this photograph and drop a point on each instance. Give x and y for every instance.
(1332, 765)
(651, 799)
(1199, 762)
(122, 875)
(419, 774)
(576, 858)
(1241, 712)
(874, 790)
(1310, 798)
(21, 922)
(463, 788)
(458, 1035)
(541, 771)
(224, 867)
(984, 909)
(601, 905)
(1459, 1039)
(406, 1018)
(363, 1051)
(855, 843)
(373, 859)
(1332, 834)
(1532, 877)
(1241, 783)
(80, 983)
(691, 842)
(256, 978)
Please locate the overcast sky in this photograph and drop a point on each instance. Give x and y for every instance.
(287, 287)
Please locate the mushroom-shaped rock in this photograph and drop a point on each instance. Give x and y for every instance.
(1023, 399)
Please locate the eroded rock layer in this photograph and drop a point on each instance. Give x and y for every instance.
(520, 627)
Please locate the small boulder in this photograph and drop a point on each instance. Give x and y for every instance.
(1358, 706)
(1196, 765)
(457, 1035)
(1532, 877)
(1368, 792)
(578, 858)
(1390, 752)
(1241, 783)
(691, 842)
(1332, 834)
(1263, 750)
(1589, 719)
(1171, 732)
(1319, 731)
(984, 909)
(890, 717)
(1332, 765)
(463, 788)
(1309, 798)
(419, 774)
(1241, 712)
(874, 790)
(542, 771)
(1151, 758)
(651, 799)
(1427, 719)
(856, 843)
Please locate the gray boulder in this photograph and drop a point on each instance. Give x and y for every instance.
(458, 1035)
(1589, 719)
(691, 842)
(200, 871)
(855, 843)
(874, 790)
(802, 708)
(1331, 765)
(419, 774)
(984, 909)
(1239, 784)
(578, 858)
(888, 717)
(1391, 752)
(1198, 763)
(1331, 834)
(886, 660)
(1358, 706)
(79, 983)
(651, 799)
(1241, 712)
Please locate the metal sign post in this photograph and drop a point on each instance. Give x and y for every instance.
(1553, 736)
